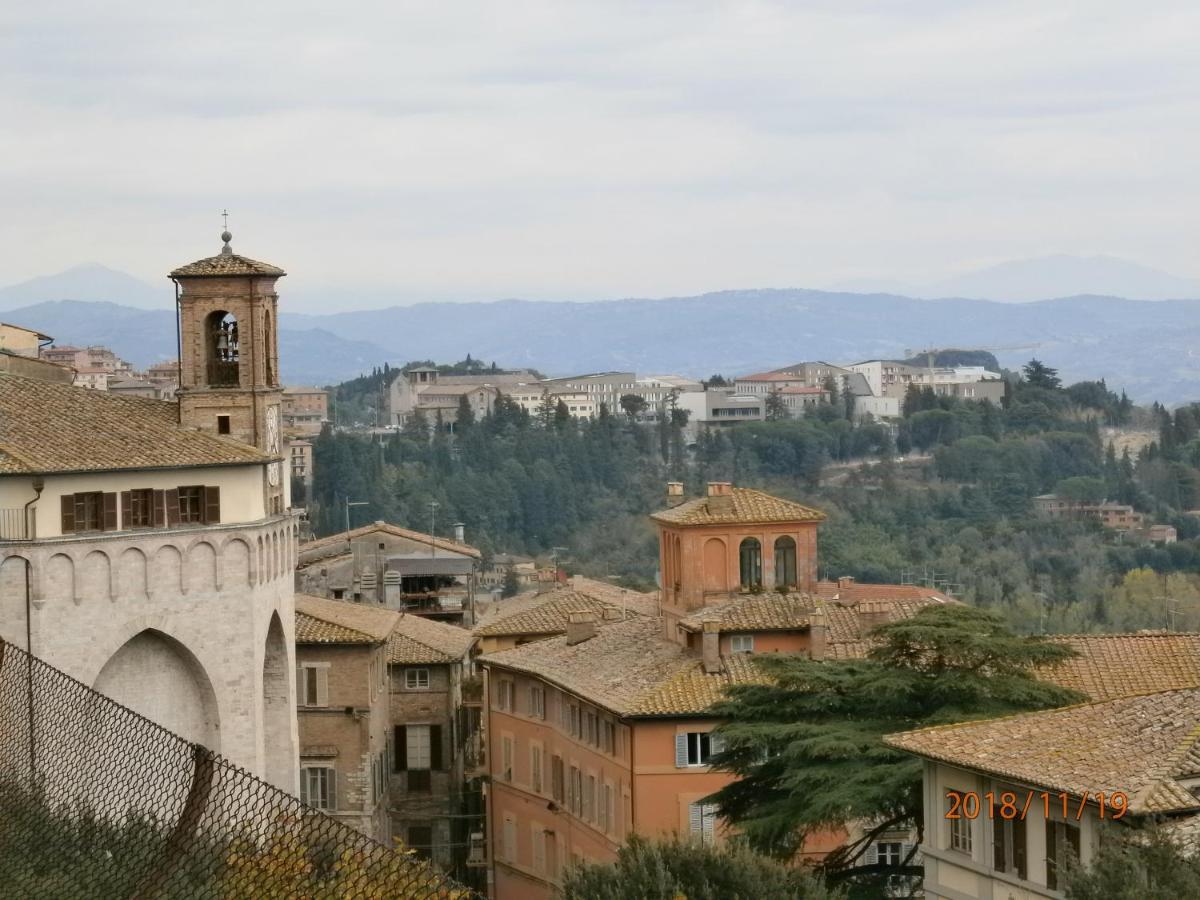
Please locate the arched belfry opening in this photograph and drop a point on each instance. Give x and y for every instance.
(223, 355)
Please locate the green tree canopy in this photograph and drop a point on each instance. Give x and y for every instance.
(677, 870)
(808, 748)
(1137, 864)
(1038, 374)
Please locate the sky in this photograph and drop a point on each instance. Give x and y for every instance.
(396, 152)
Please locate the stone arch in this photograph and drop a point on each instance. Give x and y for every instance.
(715, 565)
(201, 568)
(262, 562)
(95, 578)
(12, 600)
(157, 676)
(222, 356)
(235, 564)
(60, 578)
(279, 751)
(131, 574)
(167, 571)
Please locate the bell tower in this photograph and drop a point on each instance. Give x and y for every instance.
(229, 354)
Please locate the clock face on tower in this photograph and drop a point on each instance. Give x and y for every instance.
(273, 429)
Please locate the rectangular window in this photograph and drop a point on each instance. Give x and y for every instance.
(312, 686)
(606, 808)
(538, 835)
(222, 424)
(1062, 843)
(889, 853)
(509, 848)
(742, 643)
(417, 747)
(610, 738)
(1009, 847)
(695, 748)
(535, 769)
(420, 840)
(589, 798)
(191, 505)
(574, 720)
(505, 695)
(317, 787)
(537, 701)
(556, 779)
(137, 508)
(701, 821)
(85, 512)
(416, 679)
(960, 831)
(506, 755)
(575, 791)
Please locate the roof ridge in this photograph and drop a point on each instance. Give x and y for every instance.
(341, 625)
(1171, 762)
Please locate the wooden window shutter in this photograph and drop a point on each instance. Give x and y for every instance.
(681, 741)
(159, 513)
(695, 819)
(331, 799)
(68, 513)
(212, 505)
(709, 814)
(322, 686)
(172, 506)
(304, 786)
(301, 683)
(401, 744)
(435, 747)
(110, 511)
(126, 509)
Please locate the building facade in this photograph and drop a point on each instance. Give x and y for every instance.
(305, 409)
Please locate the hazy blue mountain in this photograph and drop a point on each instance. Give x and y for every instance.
(90, 281)
(1146, 348)
(1047, 276)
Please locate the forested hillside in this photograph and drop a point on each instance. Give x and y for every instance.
(527, 484)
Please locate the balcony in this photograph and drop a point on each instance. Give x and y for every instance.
(18, 524)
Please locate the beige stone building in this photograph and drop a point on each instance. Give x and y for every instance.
(148, 549)
(342, 702)
(305, 409)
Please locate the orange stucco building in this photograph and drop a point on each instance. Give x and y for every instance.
(603, 731)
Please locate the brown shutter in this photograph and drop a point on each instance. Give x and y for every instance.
(172, 505)
(212, 506)
(401, 744)
(68, 513)
(126, 509)
(158, 517)
(109, 506)
(435, 747)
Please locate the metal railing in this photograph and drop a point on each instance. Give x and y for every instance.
(18, 524)
(97, 801)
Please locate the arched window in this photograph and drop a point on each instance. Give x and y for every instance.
(751, 563)
(270, 349)
(785, 563)
(223, 349)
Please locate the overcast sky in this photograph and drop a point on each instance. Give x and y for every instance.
(456, 150)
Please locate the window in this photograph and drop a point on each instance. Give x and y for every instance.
(505, 695)
(537, 701)
(1009, 847)
(191, 505)
(317, 787)
(137, 508)
(312, 687)
(222, 424)
(606, 808)
(610, 738)
(750, 555)
(742, 643)
(785, 562)
(506, 753)
(418, 747)
(509, 847)
(589, 798)
(889, 853)
(694, 748)
(91, 511)
(1062, 842)
(592, 729)
(960, 831)
(535, 769)
(575, 791)
(701, 819)
(416, 679)
(538, 835)
(420, 840)
(575, 721)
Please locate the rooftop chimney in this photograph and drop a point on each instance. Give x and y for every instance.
(720, 496)
(817, 634)
(674, 493)
(710, 648)
(871, 613)
(845, 582)
(581, 626)
(459, 533)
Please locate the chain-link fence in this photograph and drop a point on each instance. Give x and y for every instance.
(97, 801)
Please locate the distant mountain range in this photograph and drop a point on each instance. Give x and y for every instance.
(1148, 349)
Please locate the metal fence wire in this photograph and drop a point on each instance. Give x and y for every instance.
(97, 801)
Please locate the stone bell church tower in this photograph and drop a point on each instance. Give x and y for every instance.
(229, 355)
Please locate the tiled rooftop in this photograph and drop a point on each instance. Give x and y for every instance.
(47, 427)
(336, 544)
(1120, 665)
(417, 640)
(321, 621)
(846, 620)
(546, 615)
(1144, 745)
(224, 265)
(745, 506)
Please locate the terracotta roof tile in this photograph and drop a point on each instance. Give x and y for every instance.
(747, 506)
(321, 621)
(1141, 745)
(846, 621)
(420, 640)
(549, 616)
(1120, 665)
(692, 691)
(48, 427)
(336, 544)
(224, 265)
